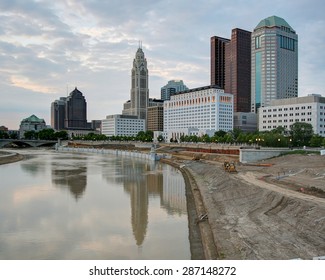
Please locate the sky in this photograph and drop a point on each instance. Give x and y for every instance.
(47, 48)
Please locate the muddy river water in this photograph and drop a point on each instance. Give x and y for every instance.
(86, 206)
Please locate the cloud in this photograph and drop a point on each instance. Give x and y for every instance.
(46, 46)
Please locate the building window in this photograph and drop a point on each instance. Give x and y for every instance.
(257, 42)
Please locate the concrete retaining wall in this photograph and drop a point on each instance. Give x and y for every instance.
(253, 155)
(149, 156)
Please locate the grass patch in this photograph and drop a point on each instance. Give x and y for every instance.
(300, 152)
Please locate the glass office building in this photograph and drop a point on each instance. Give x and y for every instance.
(274, 64)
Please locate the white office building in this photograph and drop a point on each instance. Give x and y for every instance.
(285, 112)
(122, 125)
(198, 111)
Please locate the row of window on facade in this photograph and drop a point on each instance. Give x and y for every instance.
(290, 115)
(290, 109)
(290, 120)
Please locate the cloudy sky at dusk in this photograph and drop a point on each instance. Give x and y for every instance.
(49, 47)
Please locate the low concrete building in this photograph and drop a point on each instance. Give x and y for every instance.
(285, 112)
(246, 122)
(122, 125)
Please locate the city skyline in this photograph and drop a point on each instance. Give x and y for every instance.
(49, 48)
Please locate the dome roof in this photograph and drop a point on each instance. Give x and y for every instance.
(273, 21)
(33, 119)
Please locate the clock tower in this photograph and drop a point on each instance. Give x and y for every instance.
(139, 85)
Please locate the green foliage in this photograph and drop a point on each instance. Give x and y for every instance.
(4, 135)
(220, 133)
(236, 132)
(160, 138)
(31, 135)
(316, 141)
(46, 134)
(301, 133)
(145, 136)
(300, 152)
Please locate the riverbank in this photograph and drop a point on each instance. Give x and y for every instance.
(253, 214)
(8, 157)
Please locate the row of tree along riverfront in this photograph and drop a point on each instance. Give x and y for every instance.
(301, 134)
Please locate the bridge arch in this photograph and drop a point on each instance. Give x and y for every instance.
(27, 143)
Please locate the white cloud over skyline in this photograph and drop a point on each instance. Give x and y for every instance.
(49, 47)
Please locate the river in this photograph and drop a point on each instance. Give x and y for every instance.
(88, 206)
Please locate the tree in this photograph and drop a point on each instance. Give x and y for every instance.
(4, 135)
(301, 133)
(46, 134)
(279, 130)
(30, 135)
(316, 141)
(160, 138)
(220, 133)
(236, 132)
(61, 134)
(145, 136)
(206, 138)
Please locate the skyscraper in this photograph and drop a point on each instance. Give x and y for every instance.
(75, 110)
(171, 88)
(238, 69)
(217, 57)
(274, 69)
(139, 86)
(58, 113)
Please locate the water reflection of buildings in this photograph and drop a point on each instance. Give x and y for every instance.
(75, 180)
(173, 197)
(143, 180)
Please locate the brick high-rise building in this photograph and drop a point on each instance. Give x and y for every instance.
(238, 69)
(155, 115)
(217, 48)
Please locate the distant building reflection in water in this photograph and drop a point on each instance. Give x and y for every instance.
(173, 196)
(142, 180)
(75, 180)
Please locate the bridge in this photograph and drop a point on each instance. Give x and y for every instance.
(27, 143)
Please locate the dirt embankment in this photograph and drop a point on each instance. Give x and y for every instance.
(251, 218)
(6, 157)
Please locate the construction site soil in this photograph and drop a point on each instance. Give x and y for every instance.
(268, 210)
(273, 209)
